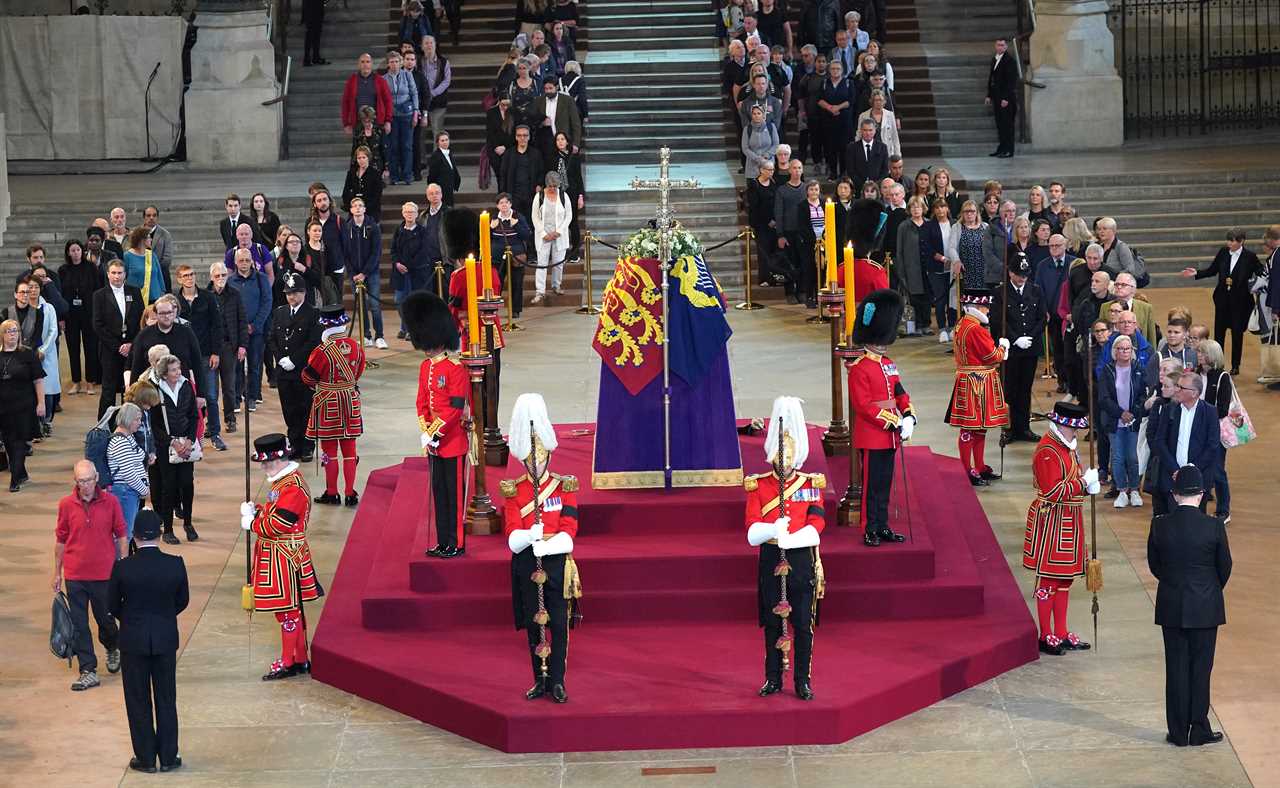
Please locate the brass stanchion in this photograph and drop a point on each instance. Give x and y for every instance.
(1048, 356)
(818, 254)
(746, 273)
(481, 517)
(849, 510)
(587, 307)
(440, 287)
(361, 323)
(837, 436)
(511, 325)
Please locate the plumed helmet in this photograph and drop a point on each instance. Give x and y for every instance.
(788, 430)
(866, 219)
(876, 318)
(425, 317)
(460, 233)
(529, 418)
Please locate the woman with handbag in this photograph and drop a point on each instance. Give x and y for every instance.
(177, 449)
(127, 460)
(1220, 391)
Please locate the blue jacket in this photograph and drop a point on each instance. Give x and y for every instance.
(1204, 450)
(1050, 279)
(1142, 352)
(331, 234)
(362, 247)
(255, 296)
(1109, 405)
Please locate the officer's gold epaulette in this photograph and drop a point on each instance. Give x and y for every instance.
(752, 483)
(508, 487)
(568, 482)
(818, 480)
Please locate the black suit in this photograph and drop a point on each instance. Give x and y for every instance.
(1232, 301)
(1002, 85)
(146, 593)
(1187, 551)
(228, 230)
(114, 330)
(443, 172)
(1026, 316)
(862, 169)
(295, 336)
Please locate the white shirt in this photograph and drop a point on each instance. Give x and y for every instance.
(447, 157)
(1235, 258)
(118, 292)
(552, 102)
(1186, 418)
(997, 64)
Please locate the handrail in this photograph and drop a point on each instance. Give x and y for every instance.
(1026, 15)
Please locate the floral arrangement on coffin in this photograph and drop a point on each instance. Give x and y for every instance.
(644, 243)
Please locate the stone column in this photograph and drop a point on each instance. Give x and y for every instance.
(4, 176)
(1073, 56)
(232, 73)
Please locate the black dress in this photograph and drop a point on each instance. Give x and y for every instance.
(19, 370)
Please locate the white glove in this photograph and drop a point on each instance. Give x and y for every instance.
(781, 526)
(1004, 344)
(520, 539)
(1023, 343)
(1090, 477)
(286, 364)
(540, 548)
(556, 545)
(1094, 488)
(246, 521)
(805, 537)
(429, 442)
(759, 533)
(248, 509)
(907, 427)
(536, 531)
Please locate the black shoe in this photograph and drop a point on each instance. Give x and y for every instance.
(177, 764)
(401, 334)
(1213, 738)
(1176, 742)
(14, 487)
(329, 499)
(1053, 648)
(770, 687)
(888, 535)
(1225, 517)
(1235, 372)
(811, 303)
(1072, 642)
(319, 62)
(804, 691)
(306, 64)
(1113, 493)
(1005, 155)
(560, 696)
(997, 153)
(978, 481)
(229, 423)
(303, 459)
(168, 538)
(536, 691)
(139, 766)
(870, 540)
(192, 536)
(434, 552)
(451, 552)
(989, 474)
(279, 671)
(352, 500)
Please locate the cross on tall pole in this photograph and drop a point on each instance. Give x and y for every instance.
(663, 184)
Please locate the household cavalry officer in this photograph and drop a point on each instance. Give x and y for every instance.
(1054, 545)
(1021, 302)
(283, 577)
(444, 415)
(881, 410)
(785, 519)
(333, 370)
(295, 332)
(540, 519)
(977, 398)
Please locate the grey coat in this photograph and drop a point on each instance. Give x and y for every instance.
(994, 245)
(759, 143)
(162, 248)
(1120, 259)
(907, 257)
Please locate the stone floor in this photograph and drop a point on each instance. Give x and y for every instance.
(1085, 719)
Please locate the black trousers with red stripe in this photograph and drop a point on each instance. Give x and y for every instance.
(877, 484)
(447, 491)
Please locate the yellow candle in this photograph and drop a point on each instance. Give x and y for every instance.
(473, 304)
(850, 300)
(486, 255)
(829, 245)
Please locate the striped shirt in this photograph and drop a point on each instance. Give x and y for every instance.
(128, 463)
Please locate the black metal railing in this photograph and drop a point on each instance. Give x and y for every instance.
(1021, 46)
(1193, 66)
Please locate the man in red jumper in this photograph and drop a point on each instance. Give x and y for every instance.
(364, 88)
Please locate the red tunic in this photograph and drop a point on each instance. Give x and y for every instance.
(458, 302)
(878, 401)
(977, 398)
(868, 276)
(332, 370)
(444, 391)
(803, 504)
(283, 577)
(559, 498)
(1054, 542)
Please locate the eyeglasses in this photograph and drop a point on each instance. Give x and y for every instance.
(1188, 388)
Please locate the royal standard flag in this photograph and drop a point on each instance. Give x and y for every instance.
(697, 327)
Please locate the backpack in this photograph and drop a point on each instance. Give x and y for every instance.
(95, 446)
(62, 631)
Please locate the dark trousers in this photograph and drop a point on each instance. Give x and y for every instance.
(803, 246)
(922, 304)
(113, 366)
(801, 582)
(1057, 350)
(1188, 661)
(176, 489)
(1005, 124)
(939, 283)
(80, 331)
(15, 449)
(227, 372)
(1236, 321)
(417, 148)
(523, 565)
(1075, 366)
(295, 404)
(877, 485)
(766, 250)
(82, 595)
(447, 475)
(311, 42)
(150, 701)
(1019, 376)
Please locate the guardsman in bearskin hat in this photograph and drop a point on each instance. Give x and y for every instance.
(295, 332)
(283, 577)
(460, 236)
(785, 519)
(333, 370)
(881, 409)
(977, 398)
(540, 531)
(866, 222)
(1054, 547)
(444, 414)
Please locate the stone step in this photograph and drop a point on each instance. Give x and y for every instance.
(647, 42)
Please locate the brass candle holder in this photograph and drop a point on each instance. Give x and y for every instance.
(481, 517)
(849, 511)
(837, 437)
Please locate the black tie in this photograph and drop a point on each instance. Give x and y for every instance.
(868, 146)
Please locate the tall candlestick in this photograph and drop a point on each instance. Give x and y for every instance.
(850, 298)
(829, 244)
(486, 255)
(473, 304)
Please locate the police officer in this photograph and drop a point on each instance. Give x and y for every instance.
(295, 331)
(1019, 315)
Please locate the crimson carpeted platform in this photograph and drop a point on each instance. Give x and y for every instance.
(668, 654)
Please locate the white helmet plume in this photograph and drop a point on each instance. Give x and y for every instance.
(530, 409)
(787, 418)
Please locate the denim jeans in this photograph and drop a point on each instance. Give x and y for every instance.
(253, 354)
(415, 279)
(1124, 459)
(400, 148)
(209, 390)
(372, 309)
(129, 500)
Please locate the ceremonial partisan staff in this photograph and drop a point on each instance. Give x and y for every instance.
(246, 593)
(1093, 568)
(1004, 329)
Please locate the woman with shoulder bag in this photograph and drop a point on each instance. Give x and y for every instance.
(176, 446)
(510, 230)
(1219, 391)
(127, 460)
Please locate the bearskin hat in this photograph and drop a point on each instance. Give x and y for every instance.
(425, 317)
(866, 220)
(876, 319)
(460, 234)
